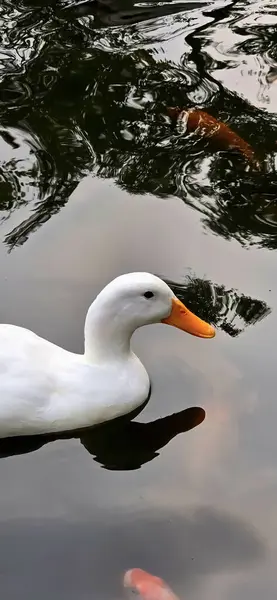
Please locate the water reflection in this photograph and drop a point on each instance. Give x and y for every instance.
(226, 309)
(100, 107)
(121, 445)
(244, 45)
(107, 13)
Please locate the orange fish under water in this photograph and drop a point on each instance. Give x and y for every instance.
(148, 586)
(219, 133)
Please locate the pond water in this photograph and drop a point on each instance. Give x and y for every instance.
(95, 182)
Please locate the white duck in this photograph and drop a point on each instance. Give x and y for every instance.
(44, 388)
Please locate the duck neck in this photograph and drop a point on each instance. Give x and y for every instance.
(106, 338)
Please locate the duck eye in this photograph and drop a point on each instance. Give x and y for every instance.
(148, 295)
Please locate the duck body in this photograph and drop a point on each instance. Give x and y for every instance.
(44, 388)
(50, 389)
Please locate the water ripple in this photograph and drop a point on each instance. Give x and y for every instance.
(237, 51)
(90, 96)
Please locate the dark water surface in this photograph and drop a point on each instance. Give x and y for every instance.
(95, 182)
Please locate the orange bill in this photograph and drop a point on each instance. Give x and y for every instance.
(184, 319)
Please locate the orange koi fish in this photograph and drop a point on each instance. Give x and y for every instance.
(148, 586)
(219, 133)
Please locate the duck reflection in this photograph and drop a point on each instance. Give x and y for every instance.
(122, 444)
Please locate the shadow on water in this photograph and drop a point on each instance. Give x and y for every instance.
(79, 99)
(121, 445)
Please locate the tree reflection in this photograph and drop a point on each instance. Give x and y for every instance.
(90, 98)
(226, 309)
